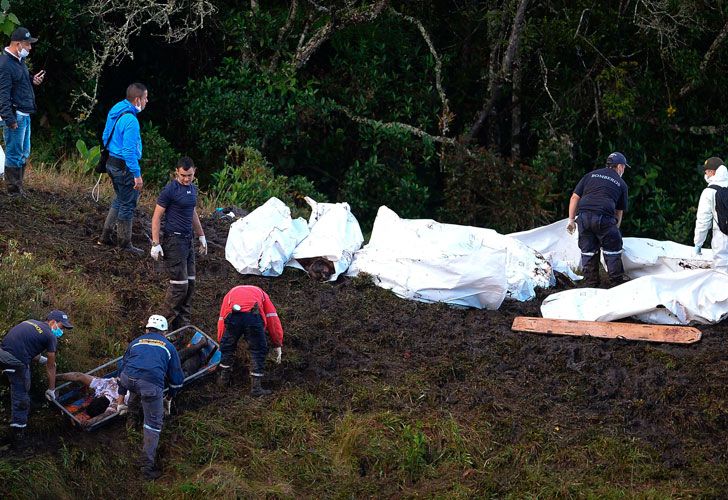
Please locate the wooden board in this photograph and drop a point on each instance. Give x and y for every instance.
(608, 330)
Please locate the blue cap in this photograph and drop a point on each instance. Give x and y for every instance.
(616, 158)
(59, 316)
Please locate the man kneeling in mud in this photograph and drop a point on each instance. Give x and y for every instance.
(106, 390)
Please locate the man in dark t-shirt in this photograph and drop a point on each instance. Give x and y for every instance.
(600, 200)
(177, 203)
(23, 343)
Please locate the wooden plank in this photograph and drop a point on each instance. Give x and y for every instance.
(608, 330)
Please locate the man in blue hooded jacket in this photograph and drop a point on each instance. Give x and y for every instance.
(125, 151)
(149, 361)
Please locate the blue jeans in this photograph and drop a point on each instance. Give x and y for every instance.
(19, 397)
(597, 231)
(126, 196)
(151, 397)
(17, 142)
(250, 326)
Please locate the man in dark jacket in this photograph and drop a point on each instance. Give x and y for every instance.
(149, 361)
(22, 344)
(17, 103)
(125, 151)
(600, 200)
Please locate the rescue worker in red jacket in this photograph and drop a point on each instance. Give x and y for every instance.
(248, 312)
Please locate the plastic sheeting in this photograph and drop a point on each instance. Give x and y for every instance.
(263, 241)
(462, 265)
(334, 234)
(685, 297)
(2, 161)
(557, 246)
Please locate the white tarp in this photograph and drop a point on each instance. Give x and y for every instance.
(684, 297)
(641, 256)
(555, 243)
(263, 241)
(2, 161)
(644, 256)
(334, 234)
(463, 265)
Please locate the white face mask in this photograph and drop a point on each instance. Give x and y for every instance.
(138, 108)
(23, 52)
(707, 179)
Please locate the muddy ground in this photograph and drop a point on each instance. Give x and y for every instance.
(467, 362)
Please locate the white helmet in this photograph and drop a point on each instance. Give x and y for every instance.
(157, 321)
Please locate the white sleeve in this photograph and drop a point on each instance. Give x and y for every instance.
(704, 217)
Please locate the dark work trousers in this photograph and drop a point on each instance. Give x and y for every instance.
(597, 232)
(19, 397)
(126, 196)
(151, 397)
(248, 325)
(179, 260)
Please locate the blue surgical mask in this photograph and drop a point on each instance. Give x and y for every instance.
(23, 52)
(57, 332)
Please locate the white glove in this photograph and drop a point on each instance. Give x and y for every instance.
(50, 394)
(167, 406)
(698, 250)
(203, 245)
(42, 359)
(279, 353)
(156, 252)
(122, 409)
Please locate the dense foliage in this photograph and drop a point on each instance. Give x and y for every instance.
(482, 112)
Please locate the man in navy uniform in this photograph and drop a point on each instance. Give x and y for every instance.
(22, 344)
(150, 361)
(177, 203)
(600, 200)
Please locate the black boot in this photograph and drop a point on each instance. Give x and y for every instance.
(124, 234)
(256, 387)
(223, 378)
(590, 270)
(18, 442)
(12, 179)
(150, 470)
(108, 231)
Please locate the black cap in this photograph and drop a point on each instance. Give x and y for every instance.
(59, 316)
(712, 163)
(22, 35)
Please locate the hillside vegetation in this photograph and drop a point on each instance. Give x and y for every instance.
(376, 396)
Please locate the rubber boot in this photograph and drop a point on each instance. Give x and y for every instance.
(256, 387)
(124, 234)
(223, 378)
(17, 439)
(150, 470)
(12, 174)
(591, 272)
(21, 177)
(108, 230)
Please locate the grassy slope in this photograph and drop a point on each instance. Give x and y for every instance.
(376, 397)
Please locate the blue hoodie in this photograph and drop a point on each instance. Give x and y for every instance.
(127, 141)
(153, 358)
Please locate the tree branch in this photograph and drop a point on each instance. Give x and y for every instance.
(690, 86)
(446, 116)
(503, 73)
(338, 20)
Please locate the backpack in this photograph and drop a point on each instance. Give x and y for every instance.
(721, 206)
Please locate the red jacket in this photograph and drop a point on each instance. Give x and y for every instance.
(246, 296)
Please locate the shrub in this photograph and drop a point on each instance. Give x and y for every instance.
(159, 157)
(247, 180)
